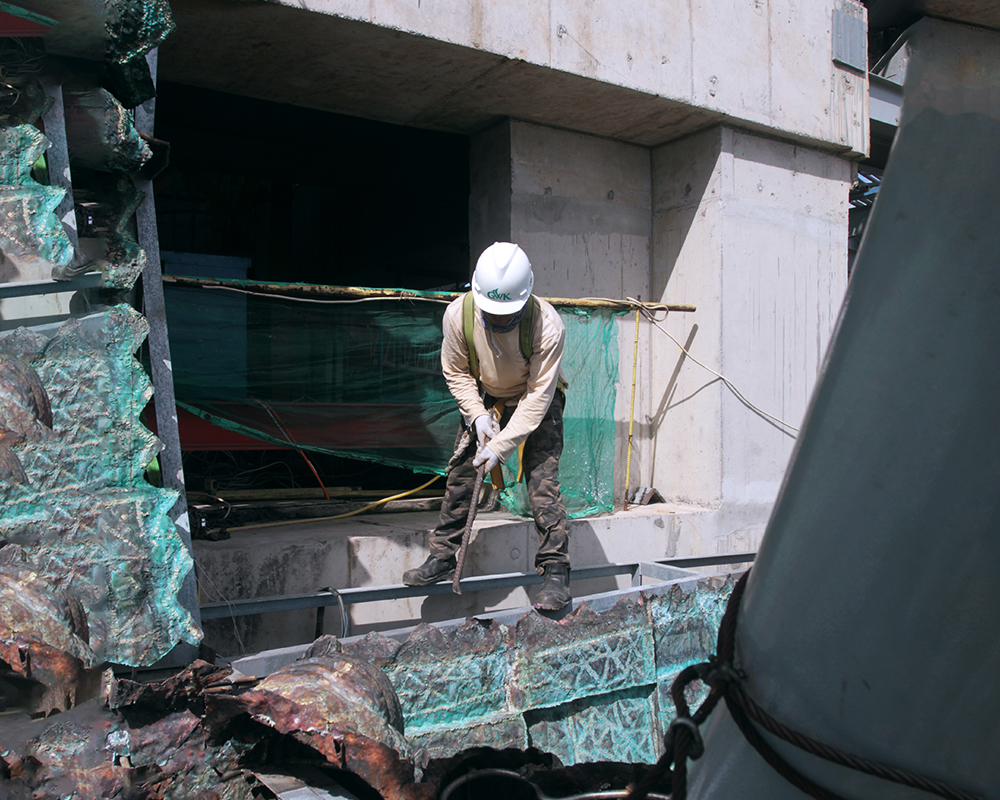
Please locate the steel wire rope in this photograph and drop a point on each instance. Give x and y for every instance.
(494, 772)
(732, 387)
(726, 681)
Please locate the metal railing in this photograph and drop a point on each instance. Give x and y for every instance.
(665, 569)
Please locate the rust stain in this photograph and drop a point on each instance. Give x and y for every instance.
(43, 640)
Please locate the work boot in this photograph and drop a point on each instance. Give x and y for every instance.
(431, 571)
(555, 590)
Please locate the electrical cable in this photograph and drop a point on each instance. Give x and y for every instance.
(291, 441)
(656, 323)
(445, 300)
(631, 411)
(232, 611)
(336, 516)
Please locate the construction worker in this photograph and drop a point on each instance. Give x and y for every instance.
(514, 367)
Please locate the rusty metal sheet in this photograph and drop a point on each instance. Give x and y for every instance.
(91, 754)
(373, 647)
(100, 131)
(43, 638)
(170, 694)
(25, 415)
(343, 692)
(378, 764)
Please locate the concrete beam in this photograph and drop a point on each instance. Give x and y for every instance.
(885, 101)
(639, 72)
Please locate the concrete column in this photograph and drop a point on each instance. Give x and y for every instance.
(489, 189)
(754, 232)
(580, 209)
(577, 204)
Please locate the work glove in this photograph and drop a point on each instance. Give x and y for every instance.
(486, 428)
(487, 457)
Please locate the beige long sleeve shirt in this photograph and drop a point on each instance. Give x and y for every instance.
(504, 372)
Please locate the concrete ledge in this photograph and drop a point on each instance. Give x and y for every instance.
(375, 551)
(265, 662)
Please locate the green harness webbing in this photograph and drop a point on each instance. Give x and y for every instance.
(469, 326)
(524, 338)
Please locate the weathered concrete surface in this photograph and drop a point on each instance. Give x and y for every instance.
(376, 550)
(580, 206)
(752, 232)
(489, 188)
(635, 71)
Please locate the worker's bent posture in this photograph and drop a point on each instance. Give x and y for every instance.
(519, 369)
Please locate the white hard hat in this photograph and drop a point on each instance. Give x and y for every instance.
(503, 279)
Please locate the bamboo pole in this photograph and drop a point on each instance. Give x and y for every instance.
(316, 291)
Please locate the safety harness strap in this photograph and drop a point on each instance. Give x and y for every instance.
(523, 331)
(525, 328)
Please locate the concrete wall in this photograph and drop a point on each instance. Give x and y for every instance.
(489, 189)
(764, 63)
(580, 207)
(753, 232)
(750, 230)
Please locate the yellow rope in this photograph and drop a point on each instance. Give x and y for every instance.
(631, 412)
(338, 516)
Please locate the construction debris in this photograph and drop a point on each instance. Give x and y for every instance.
(86, 519)
(46, 663)
(543, 706)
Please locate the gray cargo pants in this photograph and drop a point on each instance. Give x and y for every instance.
(541, 474)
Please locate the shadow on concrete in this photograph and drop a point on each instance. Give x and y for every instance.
(585, 549)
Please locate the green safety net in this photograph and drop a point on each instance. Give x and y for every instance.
(362, 379)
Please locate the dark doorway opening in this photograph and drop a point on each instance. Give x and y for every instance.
(313, 197)
(270, 192)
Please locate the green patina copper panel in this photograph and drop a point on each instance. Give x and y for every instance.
(582, 655)
(621, 726)
(29, 225)
(504, 732)
(589, 687)
(451, 678)
(86, 518)
(685, 628)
